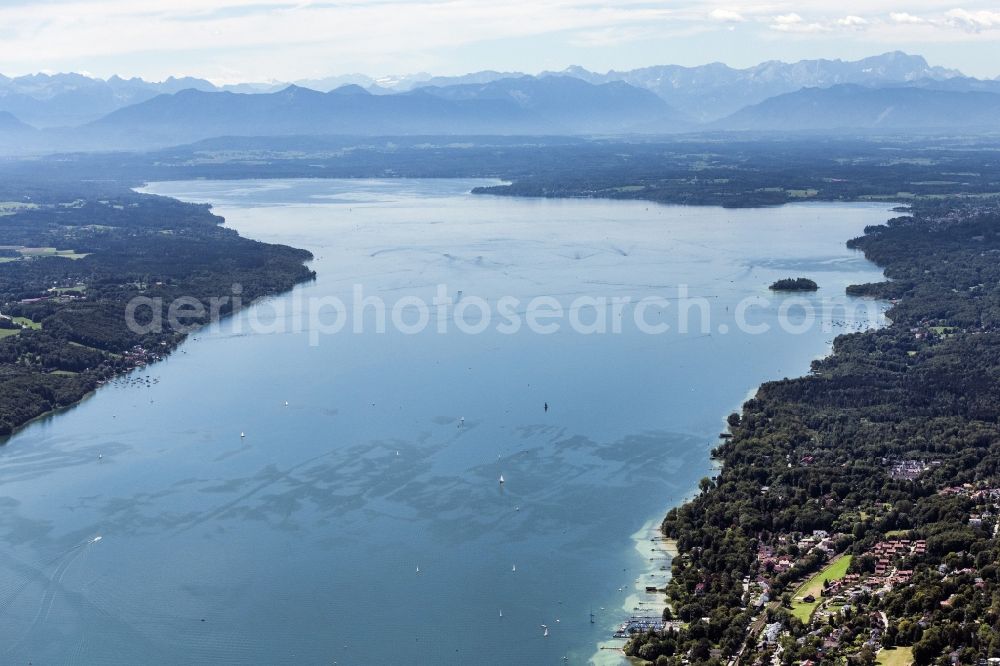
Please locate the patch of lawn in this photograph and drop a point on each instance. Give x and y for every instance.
(27, 323)
(50, 252)
(898, 656)
(835, 570)
(11, 207)
(78, 289)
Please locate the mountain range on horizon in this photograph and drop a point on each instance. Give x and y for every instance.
(705, 92)
(892, 92)
(530, 106)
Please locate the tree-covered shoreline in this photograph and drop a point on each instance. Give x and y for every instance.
(888, 451)
(77, 252)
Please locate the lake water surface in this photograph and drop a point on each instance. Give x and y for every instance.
(301, 542)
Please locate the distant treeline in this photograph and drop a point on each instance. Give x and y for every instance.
(733, 170)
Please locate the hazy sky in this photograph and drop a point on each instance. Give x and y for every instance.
(235, 40)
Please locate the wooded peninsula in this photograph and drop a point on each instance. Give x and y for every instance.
(75, 254)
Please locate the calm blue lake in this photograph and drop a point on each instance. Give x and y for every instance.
(300, 543)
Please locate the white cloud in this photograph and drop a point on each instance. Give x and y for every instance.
(788, 19)
(903, 17)
(96, 28)
(852, 22)
(285, 39)
(792, 22)
(974, 21)
(726, 16)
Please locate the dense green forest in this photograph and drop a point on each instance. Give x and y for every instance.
(76, 252)
(894, 439)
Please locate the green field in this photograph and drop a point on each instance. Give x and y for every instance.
(50, 252)
(835, 570)
(40, 252)
(27, 323)
(78, 289)
(11, 207)
(7, 332)
(900, 656)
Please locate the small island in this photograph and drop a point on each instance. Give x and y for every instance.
(794, 284)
